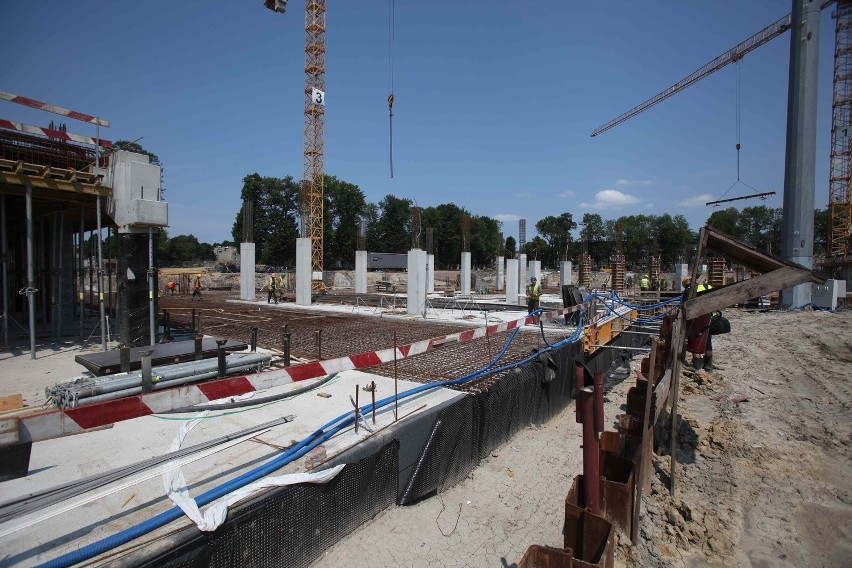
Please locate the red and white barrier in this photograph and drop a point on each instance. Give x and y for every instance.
(56, 423)
(54, 109)
(9, 125)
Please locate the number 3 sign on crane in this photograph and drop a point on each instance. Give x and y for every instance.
(318, 96)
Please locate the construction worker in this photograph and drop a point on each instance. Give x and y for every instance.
(271, 287)
(196, 287)
(171, 286)
(533, 294)
(644, 283)
(699, 340)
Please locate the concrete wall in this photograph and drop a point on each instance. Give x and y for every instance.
(416, 294)
(501, 263)
(565, 276)
(512, 281)
(247, 276)
(303, 271)
(360, 272)
(465, 273)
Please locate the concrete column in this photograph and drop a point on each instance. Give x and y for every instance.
(360, 272)
(416, 295)
(535, 269)
(465, 273)
(797, 233)
(512, 281)
(523, 270)
(565, 274)
(501, 262)
(430, 273)
(247, 279)
(303, 271)
(681, 272)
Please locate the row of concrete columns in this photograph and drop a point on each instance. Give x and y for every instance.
(421, 275)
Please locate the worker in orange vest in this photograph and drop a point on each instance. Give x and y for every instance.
(196, 287)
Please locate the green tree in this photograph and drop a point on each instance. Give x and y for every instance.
(446, 222)
(556, 231)
(674, 236)
(391, 231)
(593, 234)
(727, 221)
(511, 247)
(484, 233)
(345, 206)
(820, 231)
(275, 212)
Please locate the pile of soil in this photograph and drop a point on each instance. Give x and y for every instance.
(763, 475)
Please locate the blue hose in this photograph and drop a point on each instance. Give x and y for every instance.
(288, 456)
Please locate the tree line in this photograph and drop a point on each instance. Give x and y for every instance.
(389, 229)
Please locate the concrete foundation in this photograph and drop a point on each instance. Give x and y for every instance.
(303, 271)
(501, 263)
(565, 274)
(416, 295)
(430, 273)
(512, 281)
(360, 272)
(465, 273)
(247, 281)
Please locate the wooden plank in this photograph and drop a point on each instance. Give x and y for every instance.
(11, 402)
(56, 184)
(661, 393)
(740, 292)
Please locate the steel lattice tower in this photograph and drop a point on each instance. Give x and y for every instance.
(840, 196)
(313, 170)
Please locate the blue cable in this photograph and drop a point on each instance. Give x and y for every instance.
(288, 456)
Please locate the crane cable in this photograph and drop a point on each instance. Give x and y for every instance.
(738, 114)
(391, 18)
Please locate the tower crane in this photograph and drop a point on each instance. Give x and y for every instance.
(840, 184)
(313, 146)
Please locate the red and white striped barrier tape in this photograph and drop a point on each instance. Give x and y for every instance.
(56, 423)
(8, 124)
(54, 109)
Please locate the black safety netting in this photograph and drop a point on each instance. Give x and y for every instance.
(293, 525)
(467, 431)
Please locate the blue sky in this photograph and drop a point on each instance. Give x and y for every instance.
(494, 100)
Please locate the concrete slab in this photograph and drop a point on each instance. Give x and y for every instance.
(61, 460)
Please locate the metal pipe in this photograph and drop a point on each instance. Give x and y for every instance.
(88, 387)
(124, 357)
(220, 352)
(253, 338)
(81, 276)
(579, 384)
(145, 356)
(101, 280)
(198, 339)
(51, 271)
(4, 257)
(30, 268)
(152, 316)
(61, 239)
(599, 402)
(373, 391)
(591, 451)
(111, 241)
(159, 384)
(395, 382)
(356, 408)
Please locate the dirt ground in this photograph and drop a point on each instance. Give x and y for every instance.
(765, 446)
(763, 475)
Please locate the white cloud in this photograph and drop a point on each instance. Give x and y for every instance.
(649, 206)
(623, 181)
(507, 217)
(566, 193)
(695, 201)
(613, 198)
(523, 194)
